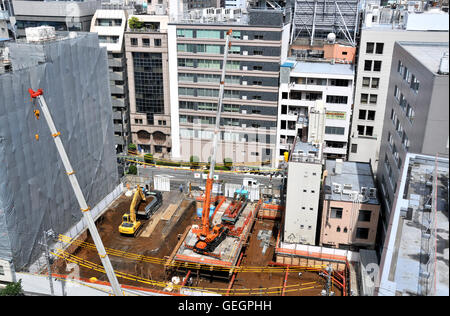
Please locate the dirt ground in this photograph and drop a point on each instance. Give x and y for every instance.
(162, 242)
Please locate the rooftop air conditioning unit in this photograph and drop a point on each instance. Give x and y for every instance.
(373, 193)
(336, 187)
(364, 191)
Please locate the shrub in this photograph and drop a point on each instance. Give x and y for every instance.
(148, 158)
(12, 289)
(135, 23)
(132, 170)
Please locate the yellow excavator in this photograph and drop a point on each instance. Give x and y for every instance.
(130, 225)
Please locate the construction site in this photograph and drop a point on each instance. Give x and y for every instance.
(160, 258)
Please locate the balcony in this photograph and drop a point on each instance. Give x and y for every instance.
(116, 76)
(118, 103)
(115, 89)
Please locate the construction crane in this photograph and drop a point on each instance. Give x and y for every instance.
(39, 95)
(129, 224)
(209, 239)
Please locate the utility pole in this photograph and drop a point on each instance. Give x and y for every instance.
(48, 233)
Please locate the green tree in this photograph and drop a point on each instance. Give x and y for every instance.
(132, 169)
(194, 160)
(12, 289)
(148, 158)
(134, 23)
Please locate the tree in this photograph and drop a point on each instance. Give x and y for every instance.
(228, 162)
(13, 289)
(132, 148)
(148, 158)
(194, 160)
(134, 23)
(132, 170)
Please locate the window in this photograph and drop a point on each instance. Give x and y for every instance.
(360, 129)
(257, 83)
(186, 77)
(370, 47)
(364, 97)
(185, 33)
(334, 130)
(134, 41)
(157, 42)
(366, 82)
(410, 113)
(208, 34)
(375, 83)
(400, 67)
(354, 148)
(259, 37)
(338, 99)
(396, 93)
(369, 130)
(379, 48)
(185, 62)
(368, 65)
(377, 65)
(362, 114)
(338, 229)
(345, 229)
(146, 42)
(414, 84)
(257, 52)
(336, 212)
(373, 99)
(257, 68)
(364, 216)
(362, 233)
(371, 115)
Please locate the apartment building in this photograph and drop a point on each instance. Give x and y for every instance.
(302, 85)
(110, 26)
(259, 43)
(417, 113)
(350, 206)
(5, 26)
(303, 193)
(148, 80)
(378, 36)
(62, 15)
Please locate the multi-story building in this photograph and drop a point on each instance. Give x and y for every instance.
(236, 4)
(110, 26)
(196, 52)
(5, 25)
(350, 206)
(304, 83)
(148, 80)
(416, 118)
(303, 193)
(62, 15)
(414, 260)
(35, 194)
(180, 8)
(378, 36)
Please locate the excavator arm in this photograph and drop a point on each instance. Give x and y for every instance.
(137, 199)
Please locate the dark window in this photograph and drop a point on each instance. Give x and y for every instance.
(337, 99)
(369, 48)
(375, 83)
(336, 212)
(259, 37)
(257, 52)
(371, 115)
(368, 65)
(257, 68)
(369, 130)
(364, 216)
(134, 41)
(157, 42)
(360, 129)
(354, 148)
(362, 233)
(379, 49)
(146, 42)
(334, 130)
(284, 95)
(362, 114)
(377, 65)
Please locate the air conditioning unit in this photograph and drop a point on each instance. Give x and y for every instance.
(244, 97)
(373, 193)
(244, 68)
(336, 187)
(245, 37)
(364, 191)
(245, 53)
(244, 83)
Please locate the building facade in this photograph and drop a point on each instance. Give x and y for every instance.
(416, 118)
(350, 206)
(248, 124)
(378, 37)
(302, 85)
(303, 193)
(148, 79)
(110, 26)
(62, 15)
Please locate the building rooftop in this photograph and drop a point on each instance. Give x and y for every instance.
(415, 257)
(428, 54)
(347, 185)
(325, 68)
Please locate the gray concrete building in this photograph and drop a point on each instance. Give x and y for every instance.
(148, 82)
(414, 260)
(62, 15)
(110, 25)
(248, 123)
(381, 28)
(417, 114)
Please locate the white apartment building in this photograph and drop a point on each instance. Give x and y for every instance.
(302, 85)
(303, 193)
(378, 36)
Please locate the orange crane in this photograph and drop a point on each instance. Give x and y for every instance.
(209, 239)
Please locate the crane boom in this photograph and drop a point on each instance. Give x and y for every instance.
(78, 193)
(209, 180)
